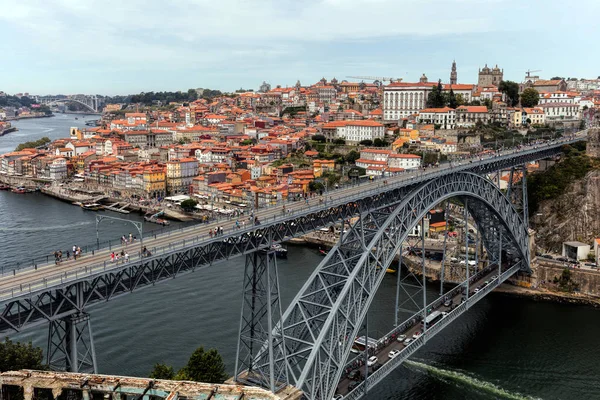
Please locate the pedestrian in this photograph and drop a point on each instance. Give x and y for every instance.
(130, 237)
(74, 248)
(122, 254)
(210, 233)
(126, 257)
(112, 257)
(59, 255)
(68, 255)
(56, 257)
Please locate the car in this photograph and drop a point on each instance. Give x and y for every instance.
(494, 277)
(352, 385)
(338, 397)
(372, 361)
(563, 259)
(393, 353)
(486, 282)
(376, 367)
(407, 341)
(401, 338)
(355, 375)
(592, 265)
(476, 290)
(416, 335)
(448, 303)
(548, 256)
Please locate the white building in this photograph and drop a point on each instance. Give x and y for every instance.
(560, 111)
(401, 99)
(353, 131)
(556, 97)
(58, 169)
(445, 117)
(405, 161)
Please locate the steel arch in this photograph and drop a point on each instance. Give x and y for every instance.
(320, 324)
(74, 101)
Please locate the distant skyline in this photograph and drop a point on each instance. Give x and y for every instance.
(113, 47)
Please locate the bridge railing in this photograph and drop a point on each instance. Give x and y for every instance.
(415, 345)
(314, 205)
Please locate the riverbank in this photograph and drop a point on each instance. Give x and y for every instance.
(547, 295)
(21, 117)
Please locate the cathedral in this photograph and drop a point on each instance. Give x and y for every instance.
(490, 76)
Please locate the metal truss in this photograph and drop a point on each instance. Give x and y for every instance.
(71, 344)
(321, 323)
(261, 309)
(37, 303)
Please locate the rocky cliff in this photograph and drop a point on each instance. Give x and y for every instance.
(573, 215)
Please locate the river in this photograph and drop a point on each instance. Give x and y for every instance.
(503, 348)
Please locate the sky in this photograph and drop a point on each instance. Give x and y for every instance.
(129, 46)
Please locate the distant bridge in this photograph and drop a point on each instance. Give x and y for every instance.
(309, 345)
(90, 102)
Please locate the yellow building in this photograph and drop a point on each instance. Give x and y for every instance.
(321, 166)
(155, 183)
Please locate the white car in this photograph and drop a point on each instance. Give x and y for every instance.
(372, 361)
(393, 353)
(407, 341)
(401, 338)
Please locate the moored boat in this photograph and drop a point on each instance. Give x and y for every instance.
(92, 206)
(280, 251)
(19, 190)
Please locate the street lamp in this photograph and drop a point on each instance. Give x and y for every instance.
(138, 226)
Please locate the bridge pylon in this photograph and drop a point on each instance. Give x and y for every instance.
(71, 344)
(259, 328)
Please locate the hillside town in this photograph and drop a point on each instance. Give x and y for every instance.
(284, 143)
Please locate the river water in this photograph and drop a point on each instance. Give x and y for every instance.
(503, 348)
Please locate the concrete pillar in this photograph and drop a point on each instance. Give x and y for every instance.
(56, 391)
(85, 394)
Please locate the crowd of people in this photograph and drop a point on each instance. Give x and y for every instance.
(75, 254)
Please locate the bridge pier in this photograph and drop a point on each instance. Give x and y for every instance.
(260, 340)
(71, 344)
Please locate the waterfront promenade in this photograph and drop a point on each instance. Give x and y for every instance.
(20, 282)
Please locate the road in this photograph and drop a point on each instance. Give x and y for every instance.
(27, 280)
(383, 354)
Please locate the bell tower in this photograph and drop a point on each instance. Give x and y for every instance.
(453, 75)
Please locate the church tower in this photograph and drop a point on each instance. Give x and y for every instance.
(453, 75)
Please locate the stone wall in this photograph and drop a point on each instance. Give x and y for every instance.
(593, 144)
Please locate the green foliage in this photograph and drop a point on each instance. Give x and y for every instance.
(487, 103)
(352, 156)
(366, 142)
(355, 172)
(452, 101)
(318, 138)
(511, 90)
(565, 283)
(435, 98)
(17, 102)
(150, 98)
(315, 186)
(339, 141)
(379, 142)
(552, 183)
(246, 142)
(530, 97)
(162, 371)
(203, 366)
(15, 356)
(33, 144)
(189, 205)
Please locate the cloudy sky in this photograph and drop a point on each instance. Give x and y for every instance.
(129, 46)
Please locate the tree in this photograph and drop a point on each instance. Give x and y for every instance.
(511, 90)
(487, 103)
(162, 371)
(452, 102)
(339, 141)
(435, 98)
(366, 142)
(318, 138)
(352, 156)
(34, 144)
(204, 366)
(189, 205)
(15, 356)
(379, 142)
(460, 100)
(315, 186)
(557, 78)
(530, 97)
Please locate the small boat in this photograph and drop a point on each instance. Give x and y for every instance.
(92, 206)
(149, 217)
(280, 251)
(390, 271)
(19, 190)
(4, 187)
(323, 252)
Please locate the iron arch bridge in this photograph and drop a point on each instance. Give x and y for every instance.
(308, 345)
(90, 105)
(311, 346)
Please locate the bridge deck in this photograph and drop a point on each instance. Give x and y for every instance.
(25, 281)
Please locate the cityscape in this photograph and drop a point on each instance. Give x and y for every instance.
(428, 235)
